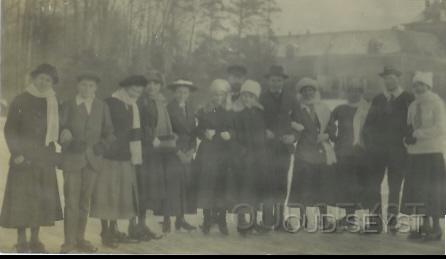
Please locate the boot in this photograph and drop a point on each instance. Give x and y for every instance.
(222, 224)
(242, 225)
(22, 248)
(167, 225)
(207, 222)
(85, 246)
(432, 233)
(37, 247)
(392, 225)
(108, 239)
(181, 223)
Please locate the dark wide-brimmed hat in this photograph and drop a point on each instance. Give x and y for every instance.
(277, 71)
(182, 83)
(155, 76)
(237, 70)
(134, 80)
(46, 69)
(390, 70)
(90, 77)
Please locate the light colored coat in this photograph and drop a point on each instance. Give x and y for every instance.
(432, 133)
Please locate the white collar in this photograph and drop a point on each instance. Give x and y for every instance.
(397, 93)
(80, 100)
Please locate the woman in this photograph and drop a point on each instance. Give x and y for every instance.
(159, 145)
(214, 161)
(115, 192)
(424, 189)
(253, 175)
(345, 131)
(314, 154)
(180, 193)
(32, 129)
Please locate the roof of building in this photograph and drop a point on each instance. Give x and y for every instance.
(392, 41)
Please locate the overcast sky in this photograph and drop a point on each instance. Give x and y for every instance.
(298, 16)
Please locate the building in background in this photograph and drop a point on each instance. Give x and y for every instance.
(335, 57)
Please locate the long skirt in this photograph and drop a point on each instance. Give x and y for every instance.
(216, 180)
(350, 181)
(312, 185)
(115, 193)
(166, 185)
(425, 186)
(254, 179)
(31, 197)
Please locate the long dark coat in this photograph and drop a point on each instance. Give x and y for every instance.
(215, 165)
(254, 175)
(312, 176)
(31, 198)
(160, 187)
(151, 177)
(352, 165)
(277, 109)
(179, 190)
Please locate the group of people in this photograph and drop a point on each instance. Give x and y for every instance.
(136, 151)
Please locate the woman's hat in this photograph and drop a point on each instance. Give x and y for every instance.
(90, 77)
(220, 85)
(155, 76)
(182, 83)
(278, 71)
(307, 82)
(426, 78)
(390, 70)
(46, 69)
(253, 87)
(134, 80)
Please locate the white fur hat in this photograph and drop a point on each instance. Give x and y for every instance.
(220, 85)
(253, 87)
(426, 78)
(307, 82)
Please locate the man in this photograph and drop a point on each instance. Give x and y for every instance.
(236, 76)
(86, 132)
(384, 131)
(277, 104)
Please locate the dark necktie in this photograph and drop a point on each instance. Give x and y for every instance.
(389, 105)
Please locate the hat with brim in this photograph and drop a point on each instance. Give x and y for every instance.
(182, 83)
(237, 70)
(251, 87)
(389, 70)
(90, 77)
(220, 85)
(277, 71)
(46, 69)
(306, 83)
(426, 78)
(155, 76)
(134, 80)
